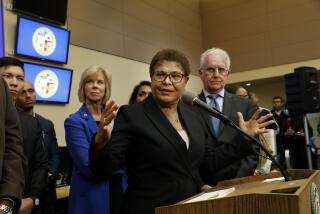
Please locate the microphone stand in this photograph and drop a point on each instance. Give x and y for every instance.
(306, 135)
(230, 123)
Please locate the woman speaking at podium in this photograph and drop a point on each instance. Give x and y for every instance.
(161, 141)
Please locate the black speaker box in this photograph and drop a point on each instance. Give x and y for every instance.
(302, 91)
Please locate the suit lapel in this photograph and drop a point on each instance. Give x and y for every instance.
(160, 121)
(86, 115)
(227, 108)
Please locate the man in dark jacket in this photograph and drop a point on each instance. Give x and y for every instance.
(280, 116)
(26, 101)
(213, 71)
(11, 154)
(11, 70)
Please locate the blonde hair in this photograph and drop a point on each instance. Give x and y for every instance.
(92, 70)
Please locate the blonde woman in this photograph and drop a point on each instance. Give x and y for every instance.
(87, 193)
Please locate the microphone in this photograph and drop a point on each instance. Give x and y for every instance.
(192, 100)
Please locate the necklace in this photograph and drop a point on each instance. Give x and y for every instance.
(173, 121)
(173, 117)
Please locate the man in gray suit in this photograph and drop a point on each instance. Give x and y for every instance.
(214, 70)
(11, 154)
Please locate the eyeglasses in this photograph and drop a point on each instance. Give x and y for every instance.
(219, 69)
(175, 77)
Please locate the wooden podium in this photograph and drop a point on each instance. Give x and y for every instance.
(254, 196)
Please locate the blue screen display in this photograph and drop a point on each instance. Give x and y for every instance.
(52, 84)
(1, 32)
(42, 41)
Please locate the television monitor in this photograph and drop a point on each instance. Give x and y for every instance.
(42, 41)
(1, 32)
(50, 10)
(52, 84)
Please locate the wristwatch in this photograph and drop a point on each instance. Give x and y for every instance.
(36, 201)
(6, 209)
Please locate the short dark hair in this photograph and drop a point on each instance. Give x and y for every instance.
(136, 88)
(11, 61)
(233, 88)
(170, 55)
(278, 98)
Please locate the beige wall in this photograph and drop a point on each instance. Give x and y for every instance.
(137, 29)
(125, 74)
(270, 72)
(265, 38)
(262, 33)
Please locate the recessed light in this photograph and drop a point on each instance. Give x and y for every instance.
(248, 84)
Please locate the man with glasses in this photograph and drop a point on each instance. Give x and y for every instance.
(214, 70)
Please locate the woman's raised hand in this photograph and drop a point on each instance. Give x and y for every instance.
(106, 123)
(255, 125)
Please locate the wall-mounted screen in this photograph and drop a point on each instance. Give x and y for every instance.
(42, 41)
(52, 10)
(52, 84)
(1, 32)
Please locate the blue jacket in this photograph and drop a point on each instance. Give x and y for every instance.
(87, 193)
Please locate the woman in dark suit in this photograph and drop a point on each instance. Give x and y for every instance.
(89, 194)
(161, 141)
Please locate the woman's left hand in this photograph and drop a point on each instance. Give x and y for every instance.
(255, 125)
(105, 126)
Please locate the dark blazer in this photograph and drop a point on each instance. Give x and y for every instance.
(51, 146)
(244, 166)
(37, 170)
(161, 170)
(11, 149)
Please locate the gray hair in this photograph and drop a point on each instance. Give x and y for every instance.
(89, 72)
(215, 51)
